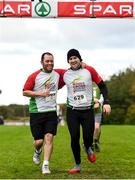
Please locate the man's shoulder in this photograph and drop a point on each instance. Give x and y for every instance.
(34, 74)
(90, 68)
(60, 71)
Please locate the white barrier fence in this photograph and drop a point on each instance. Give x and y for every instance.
(16, 123)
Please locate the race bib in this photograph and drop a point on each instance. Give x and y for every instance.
(51, 97)
(80, 98)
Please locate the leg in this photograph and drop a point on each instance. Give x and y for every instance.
(87, 122)
(97, 132)
(74, 130)
(38, 144)
(37, 133)
(36, 157)
(48, 146)
(50, 129)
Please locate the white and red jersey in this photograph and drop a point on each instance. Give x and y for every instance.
(79, 86)
(39, 81)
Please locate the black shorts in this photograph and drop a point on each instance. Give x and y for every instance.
(42, 123)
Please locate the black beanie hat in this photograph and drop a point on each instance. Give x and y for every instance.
(73, 52)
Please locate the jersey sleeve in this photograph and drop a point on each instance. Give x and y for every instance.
(61, 81)
(30, 82)
(95, 76)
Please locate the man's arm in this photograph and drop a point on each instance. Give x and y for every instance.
(99, 81)
(29, 86)
(61, 81)
(30, 93)
(104, 91)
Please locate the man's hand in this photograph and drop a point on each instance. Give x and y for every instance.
(107, 109)
(83, 64)
(46, 93)
(96, 105)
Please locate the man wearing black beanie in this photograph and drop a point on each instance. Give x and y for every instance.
(80, 105)
(73, 52)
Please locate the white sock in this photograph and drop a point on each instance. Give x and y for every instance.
(45, 162)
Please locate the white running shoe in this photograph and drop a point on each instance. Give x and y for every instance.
(36, 156)
(45, 169)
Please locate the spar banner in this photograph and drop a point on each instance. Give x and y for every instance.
(68, 8)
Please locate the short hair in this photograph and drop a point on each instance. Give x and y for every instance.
(46, 53)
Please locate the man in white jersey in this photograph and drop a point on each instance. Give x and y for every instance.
(80, 105)
(41, 87)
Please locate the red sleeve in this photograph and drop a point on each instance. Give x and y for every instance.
(95, 76)
(61, 73)
(30, 82)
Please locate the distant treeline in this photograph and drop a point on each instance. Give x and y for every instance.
(14, 112)
(121, 89)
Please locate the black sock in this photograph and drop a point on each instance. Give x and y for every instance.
(95, 140)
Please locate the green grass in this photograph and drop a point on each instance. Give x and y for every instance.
(115, 161)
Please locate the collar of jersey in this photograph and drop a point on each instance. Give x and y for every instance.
(45, 71)
(80, 67)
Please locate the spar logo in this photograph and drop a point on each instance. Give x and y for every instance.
(108, 9)
(42, 9)
(97, 9)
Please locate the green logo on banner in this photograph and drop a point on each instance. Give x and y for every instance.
(42, 9)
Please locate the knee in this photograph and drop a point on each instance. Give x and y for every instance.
(75, 138)
(48, 138)
(39, 142)
(97, 126)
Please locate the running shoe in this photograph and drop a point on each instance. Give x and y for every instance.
(96, 147)
(45, 169)
(36, 156)
(91, 155)
(76, 169)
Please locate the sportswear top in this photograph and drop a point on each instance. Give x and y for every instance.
(79, 86)
(38, 81)
(78, 82)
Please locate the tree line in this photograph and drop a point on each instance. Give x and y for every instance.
(121, 88)
(14, 112)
